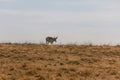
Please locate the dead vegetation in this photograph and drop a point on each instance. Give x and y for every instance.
(59, 62)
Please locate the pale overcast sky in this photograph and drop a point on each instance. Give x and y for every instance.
(80, 21)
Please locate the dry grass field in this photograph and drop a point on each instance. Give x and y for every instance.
(59, 62)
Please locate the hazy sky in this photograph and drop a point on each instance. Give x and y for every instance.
(81, 21)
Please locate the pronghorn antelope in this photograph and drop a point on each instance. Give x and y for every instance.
(51, 40)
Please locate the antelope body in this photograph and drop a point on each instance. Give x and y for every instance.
(51, 40)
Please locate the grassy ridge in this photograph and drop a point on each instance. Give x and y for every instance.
(59, 62)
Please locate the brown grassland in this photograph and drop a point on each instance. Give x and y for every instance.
(59, 62)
